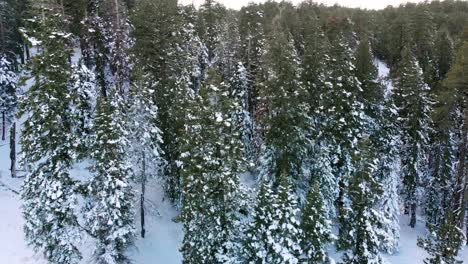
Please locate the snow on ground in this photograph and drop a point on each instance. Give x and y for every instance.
(161, 244)
(384, 75)
(163, 236)
(13, 248)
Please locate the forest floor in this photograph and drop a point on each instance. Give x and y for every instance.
(163, 237)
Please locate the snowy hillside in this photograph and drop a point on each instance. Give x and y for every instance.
(164, 237)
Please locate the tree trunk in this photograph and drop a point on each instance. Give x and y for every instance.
(142, 198)
(28, 54)
(413, 214)
(406, 209)
(13, 150)
(22, 59)
(3, 125)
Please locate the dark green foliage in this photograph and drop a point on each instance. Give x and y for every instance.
(316, 228)
(274, 235)
(444, 53)
(48, 191)
(444, 242)
(287, 120)
(411, 97)
(296, 87)
(109, 212)
(366, 221)
(212, 160)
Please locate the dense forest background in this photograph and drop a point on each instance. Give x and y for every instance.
(203, 99)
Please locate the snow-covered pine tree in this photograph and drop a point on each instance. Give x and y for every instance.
(381, 117)
(423, 35)
(314, 57)
(314, 61)
(9, 31)
(386, 173)
(455, 96)
(229, 48)
(145, 138)
(8, 93)
(287, 120)
(83, 94)
(316, 227)
(287, 237)
(274, 235)
(365, 219)
(106, 44)
(210, 26)
(236, 74)
(93, 44)
(9, 35)
(372, 90)
(343, 124)
(119, 44)
(212, 162)
(444, 243)
(411, 98)
(8, 67)
(48, 192)
(109, 212)
(171, 54)
(252, 37)
(439, 186)
(239, 83)
(256, 244)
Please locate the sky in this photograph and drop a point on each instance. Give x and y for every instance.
(369, 4)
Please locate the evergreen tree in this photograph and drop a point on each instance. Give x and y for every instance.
(444, 243)
(212, 162)
(439, 187)
(366, 221)
(412, 100)
(109, 212)
(380, 126)
(83, 93)
(273, 236)
(106, 45)
(444, 53)
(343, 124)
(48, 192)
(171, 54)
(314, 57)
(93, 44)
(316, 228)
(454, 109)
(287, 120)
(314, 61)
(257, 247)
(239, 84)
(253, 41)
(210, 25)
(396, 35)
(372, 90)
(8, 93)
(145, 138)
(9, 33)
(424, 32)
